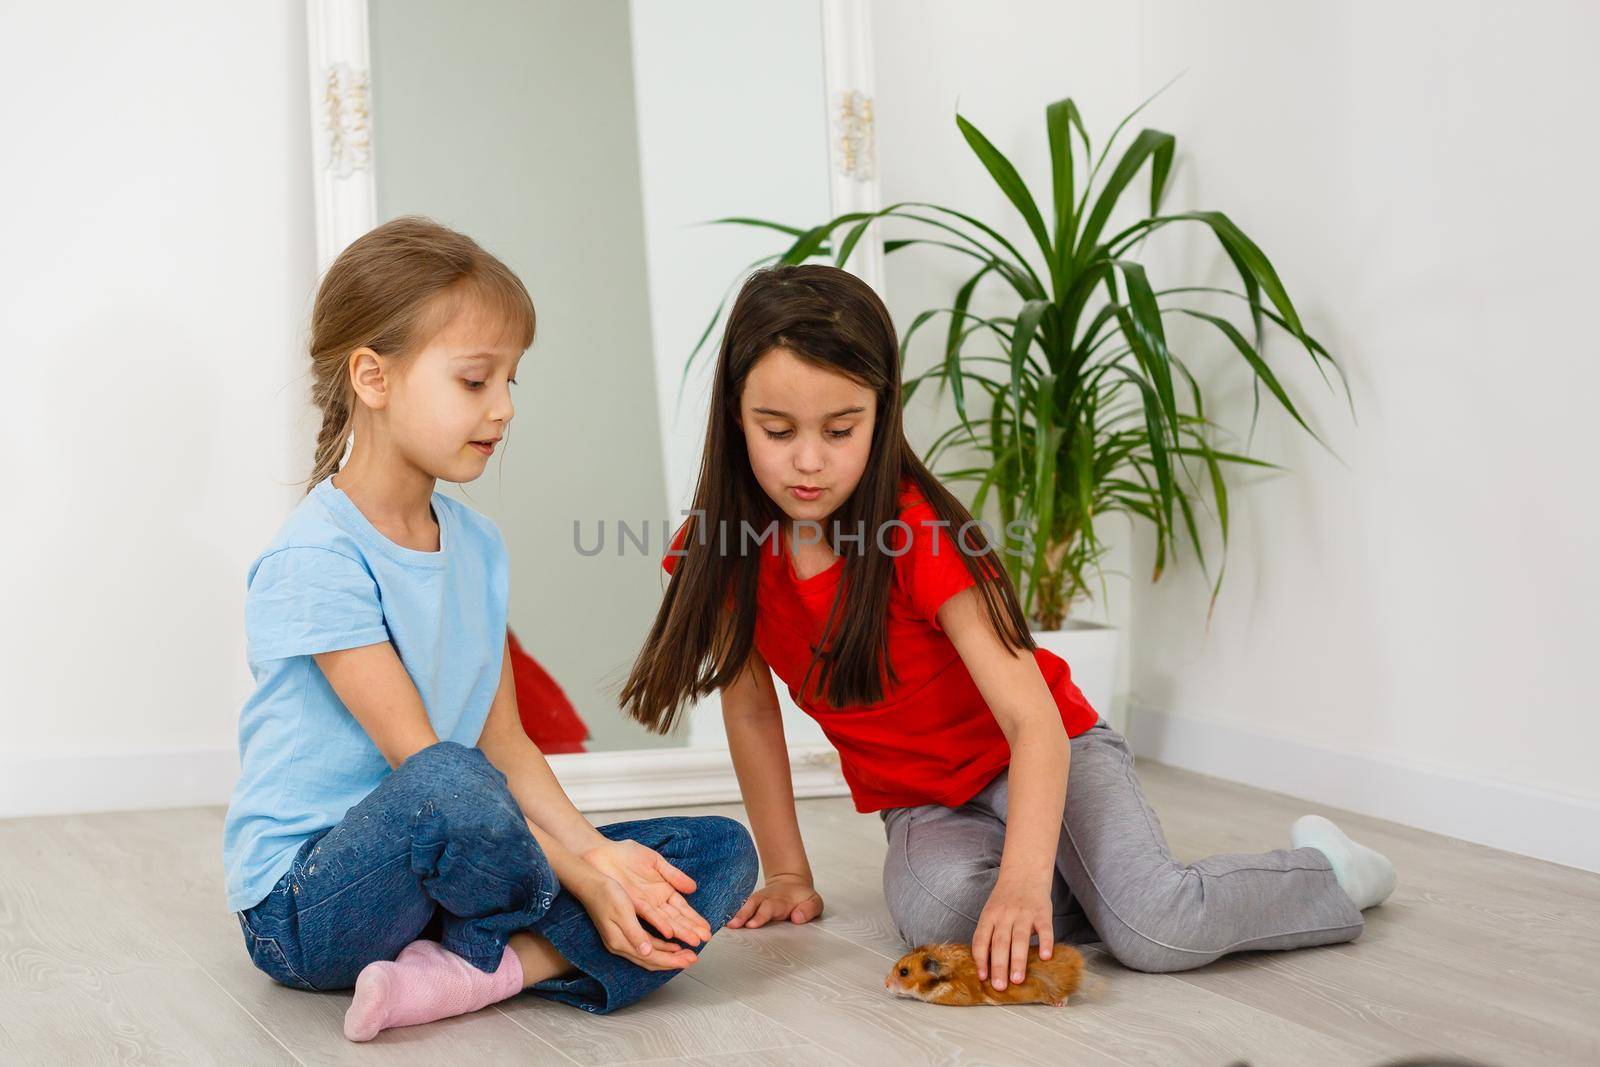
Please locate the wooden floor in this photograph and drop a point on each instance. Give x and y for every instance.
(115, 946)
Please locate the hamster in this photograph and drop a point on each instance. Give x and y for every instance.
(946, 974)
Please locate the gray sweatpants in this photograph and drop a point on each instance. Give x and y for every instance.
(1116, 881)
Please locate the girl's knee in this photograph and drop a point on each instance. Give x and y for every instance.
(1152, 950)
(449, 763)
(721, 857)
(718, 833)
(935, 903)
(1156, 959)
(729, 838)
(933, 925)
(436, 756)
(458, 780)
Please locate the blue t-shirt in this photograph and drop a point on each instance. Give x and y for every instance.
(330, 580)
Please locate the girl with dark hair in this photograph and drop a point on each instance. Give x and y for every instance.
(821, 547)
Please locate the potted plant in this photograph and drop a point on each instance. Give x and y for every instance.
(1086, 410)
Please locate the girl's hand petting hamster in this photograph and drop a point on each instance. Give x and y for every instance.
(946, 974)
(785, 896)
(1015, 911)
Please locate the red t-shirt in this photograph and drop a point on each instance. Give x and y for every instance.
(932, 738)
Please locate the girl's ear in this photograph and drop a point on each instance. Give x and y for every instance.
(367, 378)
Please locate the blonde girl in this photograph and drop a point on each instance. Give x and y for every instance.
(393, 828)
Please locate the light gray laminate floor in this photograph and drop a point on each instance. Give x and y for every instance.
(114, 947)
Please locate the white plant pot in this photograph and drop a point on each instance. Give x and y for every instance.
(1090, 649)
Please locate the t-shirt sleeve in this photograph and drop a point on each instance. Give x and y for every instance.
(934, 569)
(302, 601)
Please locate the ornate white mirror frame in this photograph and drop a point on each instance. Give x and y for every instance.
(347, 207)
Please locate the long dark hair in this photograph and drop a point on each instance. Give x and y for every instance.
(834, 320)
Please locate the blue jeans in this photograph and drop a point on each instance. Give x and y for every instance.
(441, 849)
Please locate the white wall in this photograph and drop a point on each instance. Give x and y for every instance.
(1428, 603)
(157, 270)
(1002, 64)
(1404, 632)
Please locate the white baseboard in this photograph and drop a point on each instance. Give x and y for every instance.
(658, 778)
(128, 781)
(1532, 822)
(596, 781)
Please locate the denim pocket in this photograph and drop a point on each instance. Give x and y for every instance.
(267, 955)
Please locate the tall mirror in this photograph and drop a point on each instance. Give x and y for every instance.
(586, 143)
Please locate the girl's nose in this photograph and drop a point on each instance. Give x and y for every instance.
(504, 409)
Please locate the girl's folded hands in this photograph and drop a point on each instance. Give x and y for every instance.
(654, 887)
(617, 922)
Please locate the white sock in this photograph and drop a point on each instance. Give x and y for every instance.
(1366, 876)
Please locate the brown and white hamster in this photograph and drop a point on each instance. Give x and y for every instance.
(946, 974)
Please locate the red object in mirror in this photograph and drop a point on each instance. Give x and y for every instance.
(548, 717)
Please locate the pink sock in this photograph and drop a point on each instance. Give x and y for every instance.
(425, 983)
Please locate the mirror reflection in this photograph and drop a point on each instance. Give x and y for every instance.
(583, 144)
